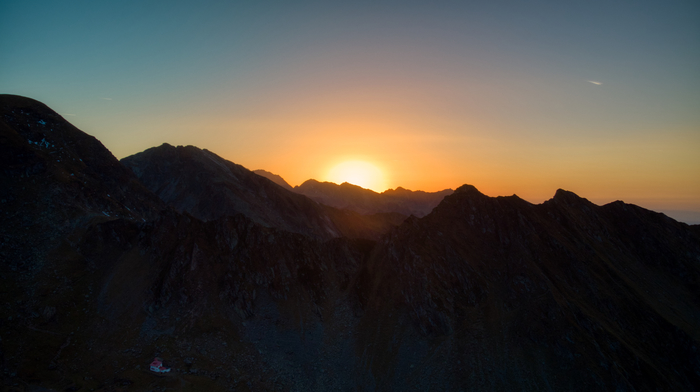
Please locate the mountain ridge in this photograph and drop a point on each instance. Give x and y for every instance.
(100, 275)
(209, 187)
(531, 270)
(277, 179)
(364, 201)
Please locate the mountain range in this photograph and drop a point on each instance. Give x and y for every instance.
(209, 187)
(240, 283)
(364, 201)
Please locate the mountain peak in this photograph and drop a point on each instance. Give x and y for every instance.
(348, 185)
(568, 197)
(468, 189)
(310, 181)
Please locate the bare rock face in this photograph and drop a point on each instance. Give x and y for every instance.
(239, 285)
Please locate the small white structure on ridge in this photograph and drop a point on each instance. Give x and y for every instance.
(158, 367)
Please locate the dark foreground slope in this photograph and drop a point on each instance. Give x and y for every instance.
(99, 276)
(499, 294)
(208, 187)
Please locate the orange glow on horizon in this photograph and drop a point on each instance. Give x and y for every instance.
(653, 167)
(360, 173)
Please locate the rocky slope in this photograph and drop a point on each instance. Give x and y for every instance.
(99, 276)
(208, 187)
(55, 179)
(499, 294)
(365, 201)
(274, 178)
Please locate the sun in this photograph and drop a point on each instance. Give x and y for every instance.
(358, 173)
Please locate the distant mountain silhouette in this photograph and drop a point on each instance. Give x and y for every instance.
(239, 284)
(274, 178)
(364, 201)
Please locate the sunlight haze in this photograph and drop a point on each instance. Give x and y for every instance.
(360, 173)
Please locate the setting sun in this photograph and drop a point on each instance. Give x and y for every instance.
(358, 173)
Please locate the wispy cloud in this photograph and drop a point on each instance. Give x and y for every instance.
(594, 82)
(107, 99)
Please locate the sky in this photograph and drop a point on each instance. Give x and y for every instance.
(514, 97)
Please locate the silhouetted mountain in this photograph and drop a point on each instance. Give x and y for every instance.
(99, 276)
(507, 295)
(209, 187)
(274, 178)
(56, 179)
(366, 201)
